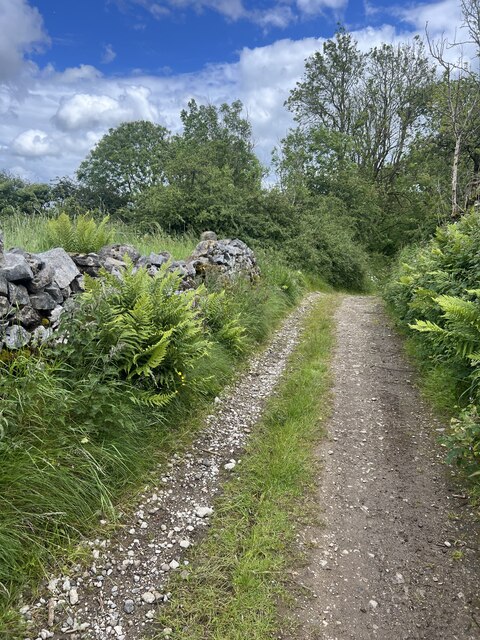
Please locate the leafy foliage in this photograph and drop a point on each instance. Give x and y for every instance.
(127, 159)
(17, 195)
(82, 420)
(223, 321)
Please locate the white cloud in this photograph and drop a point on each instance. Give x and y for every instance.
(231, 9)
(109, 54)
(440, 16)
(33, 143)
(89, 111)
(74, 75)
(280, 17)
(22, 32)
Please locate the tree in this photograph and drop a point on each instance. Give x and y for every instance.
(19, 195)
(211, 170)
(126, 161)
(219, 137)
(395, 96)
(372, 102)
(458, 100)
(327, 95)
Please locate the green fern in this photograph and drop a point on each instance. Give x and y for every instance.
(223, 321)
(461, 331)
(80, 235)
(152, 331)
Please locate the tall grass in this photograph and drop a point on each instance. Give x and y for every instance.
(31, 233)
(27, 232)
(179, 246)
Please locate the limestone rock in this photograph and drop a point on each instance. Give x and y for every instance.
(42, 279)
(89, 263)
(41, 334)
(3, 285)
(64, 268)
(157, 259)
(16, 268)
(5, 306)
(229, 258)
(118, 252)
(42, 301)
(16, 337)
(56, 293)
(28, 317)
(18, 295)
(208, 235)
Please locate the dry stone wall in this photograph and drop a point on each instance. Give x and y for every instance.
(36, 288)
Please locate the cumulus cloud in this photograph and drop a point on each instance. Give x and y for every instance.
(33, 143)
(89, 111)
(22, 32)
(440, 16)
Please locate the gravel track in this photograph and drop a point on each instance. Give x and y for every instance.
(382, 563)
(117, 592)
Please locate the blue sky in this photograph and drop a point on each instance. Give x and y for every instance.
(70, 70)
(161, 37)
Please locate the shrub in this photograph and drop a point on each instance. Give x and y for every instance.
(463, 441)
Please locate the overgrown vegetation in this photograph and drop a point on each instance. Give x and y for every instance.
(81, 422)
(238, 573)
(434, 294)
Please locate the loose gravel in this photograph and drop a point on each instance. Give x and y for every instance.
(397, 556)
(116, 594)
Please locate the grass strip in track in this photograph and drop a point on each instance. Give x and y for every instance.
(237, 576)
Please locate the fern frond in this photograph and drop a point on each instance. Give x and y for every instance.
(459, 310)
(425, 326)
(158, 400)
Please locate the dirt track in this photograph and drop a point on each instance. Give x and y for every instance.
(396, 555)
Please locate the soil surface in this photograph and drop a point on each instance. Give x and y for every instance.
(116, 592)
(395, 556)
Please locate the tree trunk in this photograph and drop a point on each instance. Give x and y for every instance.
(456, 158)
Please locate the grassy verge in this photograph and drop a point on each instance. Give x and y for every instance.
(238, 571)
